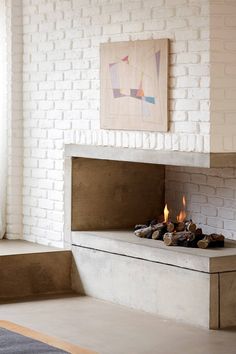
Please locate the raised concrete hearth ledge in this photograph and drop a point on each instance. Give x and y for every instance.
(126, 244)
(192, 285)
(175, 158)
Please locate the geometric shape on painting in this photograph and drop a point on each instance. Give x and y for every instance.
(133, 93)
(150, 99)
(117, 93)
(126, 59)
(140, 92)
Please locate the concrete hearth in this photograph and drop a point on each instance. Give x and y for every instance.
(192, 285)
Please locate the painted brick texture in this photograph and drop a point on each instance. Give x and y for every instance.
(223, 75)
(61, 89)
(210, 195)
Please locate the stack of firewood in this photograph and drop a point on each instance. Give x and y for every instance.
(185, 234)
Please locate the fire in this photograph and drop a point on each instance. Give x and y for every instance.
(166, 213)
(182, 215)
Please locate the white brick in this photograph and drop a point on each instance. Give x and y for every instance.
(187, 58)
(55, 134)
(215, 181)
(132, 27)
(112, 29)
(198, 46)
(55, 195)
(187, 105)
(186, 34)
(63, 105)
(186, 127)
(63, 65)
(199, 178)
(199, 70)
(178, 116)
(154, 25)
(199, 116)
(199, 93)
(187, 82)
(39, 173)
(119, 17)
(174, 23)
(129, 5)
(225, 192)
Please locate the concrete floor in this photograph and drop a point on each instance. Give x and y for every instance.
(113, 329)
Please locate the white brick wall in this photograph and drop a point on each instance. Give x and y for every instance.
(223, 73)
(210, 196)
(61, 89)
(61, 101)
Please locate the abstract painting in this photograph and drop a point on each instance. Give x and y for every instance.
(134, 85)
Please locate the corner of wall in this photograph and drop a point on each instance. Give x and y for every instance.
(223, 76)
(15, 119)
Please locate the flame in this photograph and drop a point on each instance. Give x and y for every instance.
(182, 215)
(166, 213)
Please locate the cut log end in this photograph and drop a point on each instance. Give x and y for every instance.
(213, 240)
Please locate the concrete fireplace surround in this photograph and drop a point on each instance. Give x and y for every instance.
(191, 285)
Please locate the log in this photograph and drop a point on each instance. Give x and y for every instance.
(170, 227)
(180, 226)
(177, 238)
(159, 233)
(190, 226)
(212, 240)
(145, 232)
(140, 226)
(155, 235)
(149, 235)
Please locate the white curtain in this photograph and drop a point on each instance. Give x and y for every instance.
(3, 117)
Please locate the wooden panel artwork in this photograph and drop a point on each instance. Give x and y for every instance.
(115, 194)
(134, 85)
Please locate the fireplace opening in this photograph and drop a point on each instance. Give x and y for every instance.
(119, 195)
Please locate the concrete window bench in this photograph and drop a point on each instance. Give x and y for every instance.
(192, 285)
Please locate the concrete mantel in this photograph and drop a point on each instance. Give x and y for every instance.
(175, 158)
